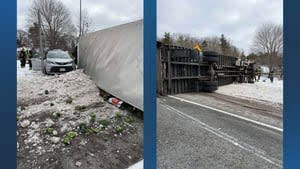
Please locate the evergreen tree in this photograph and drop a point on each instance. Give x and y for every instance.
(224, 45)
(167, 39)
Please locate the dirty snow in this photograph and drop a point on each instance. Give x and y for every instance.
(262, 91)
(25, 72)
(62, 103)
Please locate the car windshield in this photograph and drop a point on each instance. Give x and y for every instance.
(58, 55)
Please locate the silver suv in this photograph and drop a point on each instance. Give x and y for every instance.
(58, 61)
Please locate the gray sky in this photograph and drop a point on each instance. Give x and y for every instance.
(236, 19)
(104, 13)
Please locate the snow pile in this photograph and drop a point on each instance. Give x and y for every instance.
(60, 103)
(62, 118)
(25, 72)
(265, 69)
(265, 81)
(262, 91)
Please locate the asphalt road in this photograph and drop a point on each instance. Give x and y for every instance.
(190, 136)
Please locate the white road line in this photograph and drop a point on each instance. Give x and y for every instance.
(228, 138)
(138, 165)
(230, 114)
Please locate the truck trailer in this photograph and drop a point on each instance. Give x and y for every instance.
(181, 70)
(113, 58)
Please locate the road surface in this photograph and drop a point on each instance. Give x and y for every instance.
(191, 136)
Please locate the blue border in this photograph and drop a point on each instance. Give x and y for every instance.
(291, 85)
(8, 84)
(149, 84)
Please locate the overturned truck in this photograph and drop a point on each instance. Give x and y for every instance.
(181, 70)
(113, 58)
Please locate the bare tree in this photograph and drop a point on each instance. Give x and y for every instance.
(33, 34)
(56, 21)
(22, 38)
(269, 41)
(86, 23)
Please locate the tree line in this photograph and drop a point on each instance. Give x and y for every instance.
(222, 44)
(58, 29)
(266, 47)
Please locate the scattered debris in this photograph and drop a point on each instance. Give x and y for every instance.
(25, 123)
(54, 133)
(47, 124)
(115, 101)
(55, 140)
(80, 108)
(78, 164)
(69, 100)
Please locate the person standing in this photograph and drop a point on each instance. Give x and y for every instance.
(30, 55)
(259, 74)
(271, 76)
(256, 75)
(22, 57)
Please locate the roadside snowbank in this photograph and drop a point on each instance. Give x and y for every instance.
(63, 116)
(263, 91)
(25, 72)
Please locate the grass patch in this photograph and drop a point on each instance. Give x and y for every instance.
(83, 128)
(69, 137)
(119, 129)
(93, 117)
(49, 131)
(128, 119)
(119, 115)
(87, 130)
(94, 130)
(104, 123)
(80, 108)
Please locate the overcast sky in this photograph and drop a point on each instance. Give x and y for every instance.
(104, 13)
(236, 19)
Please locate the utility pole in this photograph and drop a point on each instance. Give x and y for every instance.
(41, 42)
(79, 34)
(80, 21)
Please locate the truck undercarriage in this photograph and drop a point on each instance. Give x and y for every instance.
(181, 70)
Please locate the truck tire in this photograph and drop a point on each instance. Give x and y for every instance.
(210, 86)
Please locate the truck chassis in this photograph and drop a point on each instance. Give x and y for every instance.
(182, 70)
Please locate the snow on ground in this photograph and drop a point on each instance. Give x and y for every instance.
(263, 91)
(49, 108)
(25, 72)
